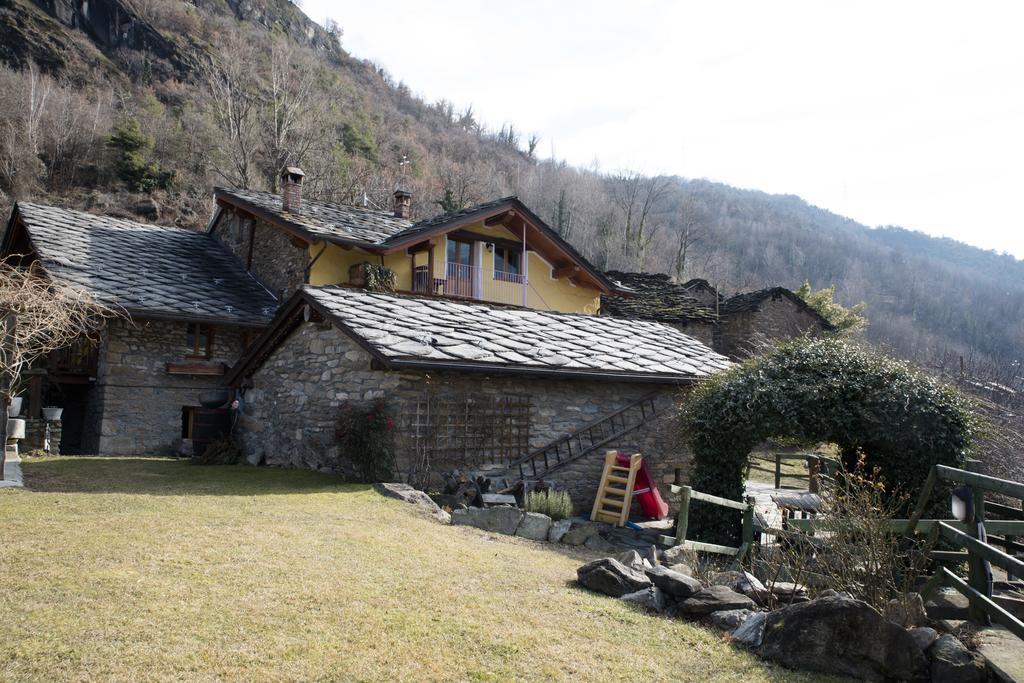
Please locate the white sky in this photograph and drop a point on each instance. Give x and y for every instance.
(906, 113)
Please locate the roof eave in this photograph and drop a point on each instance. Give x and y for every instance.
(488, 368)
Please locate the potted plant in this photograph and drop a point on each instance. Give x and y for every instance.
(15, 408)
(52, 413)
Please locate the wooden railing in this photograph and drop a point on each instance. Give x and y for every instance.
(686, 495)
(965, 538)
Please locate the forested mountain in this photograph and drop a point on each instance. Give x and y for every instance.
(141, 106)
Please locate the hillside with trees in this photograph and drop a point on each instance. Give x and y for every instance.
(140, 108)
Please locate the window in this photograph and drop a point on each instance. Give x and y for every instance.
(506, 263)
(199, 340)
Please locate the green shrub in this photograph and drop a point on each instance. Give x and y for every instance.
(132, 149)
(555, 504)
(828, 390)
(366, 438)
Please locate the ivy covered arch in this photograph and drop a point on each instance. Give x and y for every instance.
(899, 419)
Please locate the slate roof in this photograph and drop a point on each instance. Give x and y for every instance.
(751, 301)
(655, 297)
(424, 332)
(326, 220)
(146, 269)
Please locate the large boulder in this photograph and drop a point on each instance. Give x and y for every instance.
(632, 559)
(924, 636)
(611, 577)
(841, 636)
(650, 598)
(742, 582)
(679, 586)
(714, 599)
(751, 632)
(729, 619)
(558, 530)
(412, 496)
(534, 526)
(907, 611)
(503, 520)
(678, 555)
(954, 663)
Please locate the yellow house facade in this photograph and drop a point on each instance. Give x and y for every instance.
(499, 252)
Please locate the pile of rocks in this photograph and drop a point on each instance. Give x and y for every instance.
(832, 634)
(536, 526)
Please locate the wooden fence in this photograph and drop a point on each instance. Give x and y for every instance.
(686, 495)
(969, 547)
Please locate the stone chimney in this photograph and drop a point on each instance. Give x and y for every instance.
(291, 188)
(403, 204)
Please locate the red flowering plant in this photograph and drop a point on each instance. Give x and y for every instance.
(366, 437)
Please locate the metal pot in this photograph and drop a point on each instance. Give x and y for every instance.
(15, 407)
(214, 399)
(52, 413)
(15, 429)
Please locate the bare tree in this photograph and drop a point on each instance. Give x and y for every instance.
(232, 88)
(292, 111)
(636, 196)
(693, 229)
(38, 316)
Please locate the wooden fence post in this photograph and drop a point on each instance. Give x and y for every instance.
(977, 576)
(683, 518)
(748, 529)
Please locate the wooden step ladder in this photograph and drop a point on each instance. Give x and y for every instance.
(615, 494)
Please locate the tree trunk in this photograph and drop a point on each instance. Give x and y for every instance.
(7, 323)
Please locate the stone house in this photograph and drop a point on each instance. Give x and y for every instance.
(490, 352)
(190, 311)
(472, 385)
(751, 319)
(703, 291)
(654, 296)
(735, 326)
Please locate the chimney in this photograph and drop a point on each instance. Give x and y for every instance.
(403, 204)
(291, 188)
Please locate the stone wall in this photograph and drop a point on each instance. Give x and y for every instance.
(35, 436)
(290, 411)
(704, 332)
(137, 407)
(740, 334)
(277, 263)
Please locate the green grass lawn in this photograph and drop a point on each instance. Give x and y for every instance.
(151, 569)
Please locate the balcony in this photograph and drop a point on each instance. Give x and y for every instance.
(474, 282)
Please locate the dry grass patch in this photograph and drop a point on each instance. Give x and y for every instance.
(140, 568)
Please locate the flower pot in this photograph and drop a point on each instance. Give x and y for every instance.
(15, 429)
(15, 407)
(51, 413)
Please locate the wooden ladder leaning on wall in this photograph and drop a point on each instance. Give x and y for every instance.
(615, 493)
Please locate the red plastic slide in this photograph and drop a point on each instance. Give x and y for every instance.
(645, 491)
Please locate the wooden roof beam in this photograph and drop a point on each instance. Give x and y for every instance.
(500, 219)
(565, 270)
